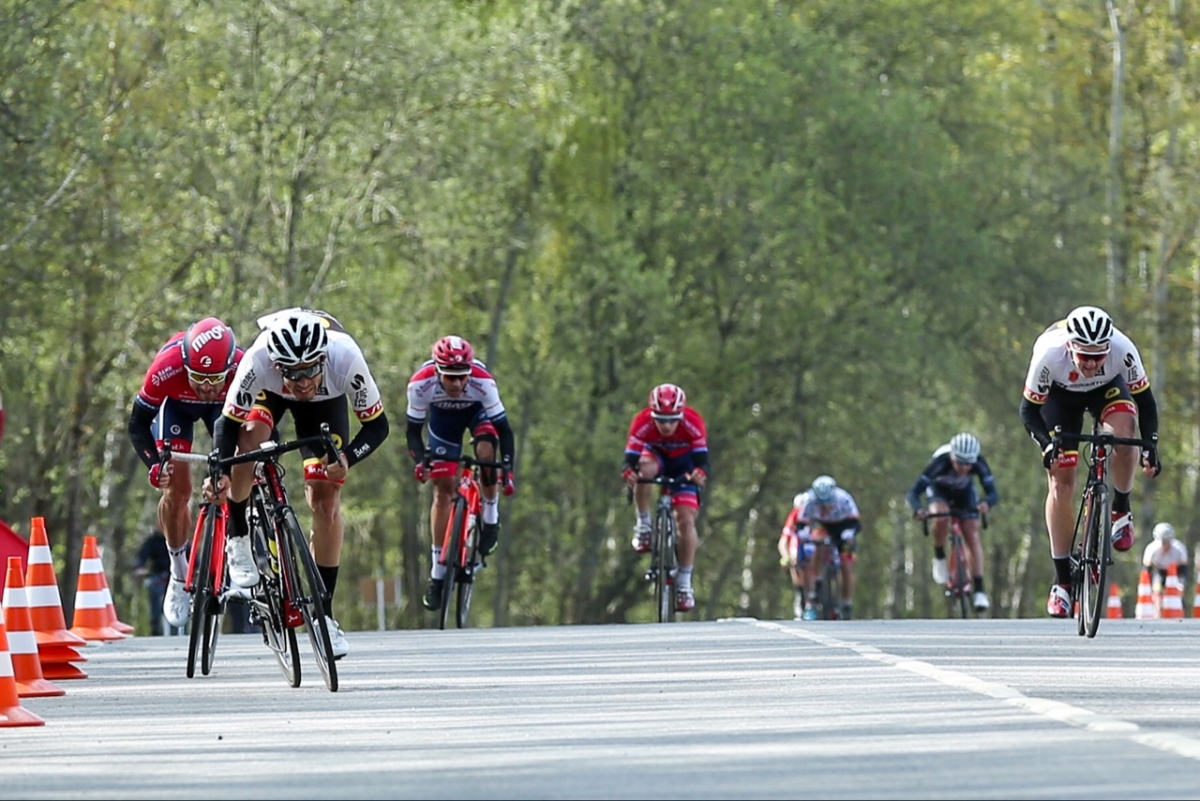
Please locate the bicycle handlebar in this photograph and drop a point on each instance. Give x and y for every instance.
(271, 450)
(466, 460)
(666, 481)
(1103, 438)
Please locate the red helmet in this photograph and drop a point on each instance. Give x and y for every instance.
(453, 354)
(208, 347)
(667, 400)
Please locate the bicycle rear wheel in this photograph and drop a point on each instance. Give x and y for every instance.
(1097, 549)
(466, 581)
(202, 594)
(451, 555)
(308, 595)
(663, 544)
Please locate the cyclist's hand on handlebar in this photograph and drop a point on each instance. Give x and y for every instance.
(629, 476)
(921, 514)
(698, 476)
(338, 471)
(159, 477)
(1151, 465)
(983, 507)
(221, 492)
(1051, 453)
(508, 486)
(421, 472)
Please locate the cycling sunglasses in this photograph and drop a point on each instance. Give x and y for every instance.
(666, 418)
(215, 379)
(1083, 356)
(454, 376)
(299, 373)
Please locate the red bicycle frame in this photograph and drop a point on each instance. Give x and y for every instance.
(469, 489)
(218, 545)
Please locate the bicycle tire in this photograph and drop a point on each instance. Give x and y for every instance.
(450, 553)
(833, 597)
(662, 578)
(1099, 535)
(202, 590)
(961, 580)
(277, 634)
(466, 583)
(309, 596)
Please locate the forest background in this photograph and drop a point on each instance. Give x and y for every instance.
(838, 225)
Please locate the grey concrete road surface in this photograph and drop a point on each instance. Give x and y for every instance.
(724, 709)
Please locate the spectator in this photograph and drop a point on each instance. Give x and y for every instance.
(154, 566)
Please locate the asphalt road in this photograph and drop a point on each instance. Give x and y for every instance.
(726, 709)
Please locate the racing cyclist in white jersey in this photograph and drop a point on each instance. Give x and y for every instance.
(825, 507)
(451, 393)
(305, 363)
(1086, 364)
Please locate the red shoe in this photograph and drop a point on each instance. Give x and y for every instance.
(1122, 530)
(1059, 603)
(641, 538)
(685, 600)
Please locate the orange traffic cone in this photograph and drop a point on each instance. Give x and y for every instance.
(1145, 609)
(110, 610)
(27, 667)
(92, 621)
(1196, 597)
(1114, 602)
(56, 645)
(1172, 602)
(11, 713)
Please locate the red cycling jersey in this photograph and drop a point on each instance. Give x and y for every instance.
(690, 436)
(166, 377)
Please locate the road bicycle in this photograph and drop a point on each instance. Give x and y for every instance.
(959, 586)
(1091, 544)
(829, 568)
(290, 592)
(664, 560)
(206, 581)
(460, 542)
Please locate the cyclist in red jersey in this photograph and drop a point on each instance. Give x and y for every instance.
(453, 392)
(185, 383)
(669, 438)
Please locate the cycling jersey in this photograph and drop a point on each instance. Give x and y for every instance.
(940, 480)
(166, 380)
(808, 510)
(477, 407)
(688, 438)
(1161, 558)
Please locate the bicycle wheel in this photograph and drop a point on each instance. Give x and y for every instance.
(269, 602)
(962, 581)
(1097, 551)
(202, 593)
(658, 558)
(451, 554)
(466, 582)
(308, 595)
(832, 595)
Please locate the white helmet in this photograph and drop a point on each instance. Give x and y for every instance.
(1164, 531)
(823, 487)
(296, 338)
(1089, 325)
(964, 448)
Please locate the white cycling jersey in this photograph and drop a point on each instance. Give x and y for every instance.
(1052, 366)
(842, 507)
(346, 373)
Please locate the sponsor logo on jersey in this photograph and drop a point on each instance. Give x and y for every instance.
(1112, 392)
(1129, 360)
(367, 414)
(454, 404)
(163, 375)
(358, 382)
(248, 381)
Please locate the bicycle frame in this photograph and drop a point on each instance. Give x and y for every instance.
(829, 567)
(958, 560)
(664, 558)
(460, 542)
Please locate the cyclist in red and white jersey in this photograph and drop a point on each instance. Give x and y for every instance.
(453, 392)
(828, 507)
(185, 383)
(1086, 364)
(668, 437)
(303, 363)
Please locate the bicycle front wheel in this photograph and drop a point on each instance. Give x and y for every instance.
(663, 543)
(270, 601)
(1097, 551)
(202, 593)
(308, 595)
(466, 582)
(962, 582)
(452, 556)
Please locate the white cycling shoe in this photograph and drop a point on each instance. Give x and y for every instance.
(337, 639)
(941, 571)
(240, 562)
(982, 604)
(177, 604)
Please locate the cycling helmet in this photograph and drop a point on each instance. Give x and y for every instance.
(297, 338)
(823, 487)
(453, 355)
(667, 402)
(964, 448)
(1089, 326)
(208, 347)
(1164, 531)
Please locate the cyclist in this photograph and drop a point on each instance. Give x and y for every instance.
(302, 362)
(452, 392)
(1162, 552)
(668, 437)
(1086, 364)
(826, 507)
(948, 483)
(185, 383)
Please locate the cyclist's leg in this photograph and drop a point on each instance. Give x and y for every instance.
(239, 553)
(649, 466)
(940, 530)
(176, 422)
(846, 550)
(1119, 416)
(686, 503)
(445, 430)
(487, 448)
(1064, 409)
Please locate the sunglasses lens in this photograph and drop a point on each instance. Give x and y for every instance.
(207, 378)
(304, 372)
